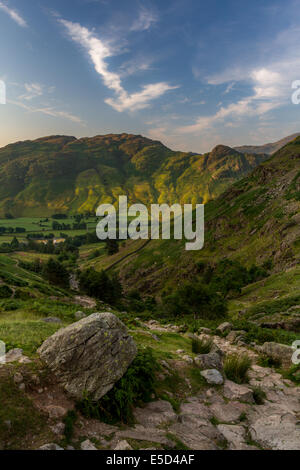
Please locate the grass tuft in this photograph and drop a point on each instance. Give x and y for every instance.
(236, 368)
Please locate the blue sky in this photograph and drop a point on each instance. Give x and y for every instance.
(191, 73)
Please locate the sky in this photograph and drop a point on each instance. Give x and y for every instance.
(190, 73)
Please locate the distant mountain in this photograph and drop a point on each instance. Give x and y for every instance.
(61, 173)
(267, 148)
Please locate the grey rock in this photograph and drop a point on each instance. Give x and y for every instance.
(18, 378)
(155, 413)
(234, 435)
(58, 428)
(211, 360)
(123, 445)
(188, 359)
(229, 412)
(225, 327)
(275, 428)
(13, 355)
(87, 445)
(141, 433)
(50, 446)
(279, 352)
(206, 331)
(235, 336)
(197, 436)
(234, 391)
(212, 376)
(79, 315)
(55, 412)
(91, 355)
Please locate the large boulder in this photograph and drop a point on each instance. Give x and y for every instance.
(89, 356)
(278, 352)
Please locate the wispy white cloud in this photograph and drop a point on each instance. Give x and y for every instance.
(145, 20)
(271, 88)
(13, 14)
(32, 90)
(49, 111)
(98, 52)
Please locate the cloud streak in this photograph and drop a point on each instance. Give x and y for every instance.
(49, 111)
(98, 52)
(145, 20)
(13, 14)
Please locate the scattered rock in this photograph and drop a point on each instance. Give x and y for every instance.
(91, 355)
(234, 391)
(156, 338)
(212, 376)
(235, 336)
(58, 428)
(18, 378)
(155, 413)
(228, 412)
(234, 435)
(141, 433)
(206, 331)
(123, 445)
(79, 315)
(87, 445)
(180, 351)
(224, 328)
(55, 412)
(50, 446)
(211, 360)
(188, 359)
(278, 352)
(13, 355)
(274, 428)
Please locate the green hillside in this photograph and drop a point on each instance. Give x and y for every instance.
(255, 221)
(65, 174)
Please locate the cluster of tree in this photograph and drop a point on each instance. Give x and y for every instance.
(230, 276)
(195, 298)
(56, 273)
(100, 285)
(74, 226)
(59, 216)
(207, 296)
(12, 230)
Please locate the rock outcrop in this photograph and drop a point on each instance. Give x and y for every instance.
(89, 356)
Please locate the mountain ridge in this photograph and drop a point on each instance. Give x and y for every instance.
(269, 148)
(66, 174)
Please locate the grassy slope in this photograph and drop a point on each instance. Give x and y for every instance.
(255, 220)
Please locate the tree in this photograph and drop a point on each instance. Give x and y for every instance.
(112, 247)
(56, 273)
(100, 285)
(15, 243)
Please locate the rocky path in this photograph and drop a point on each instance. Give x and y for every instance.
(222, 416)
